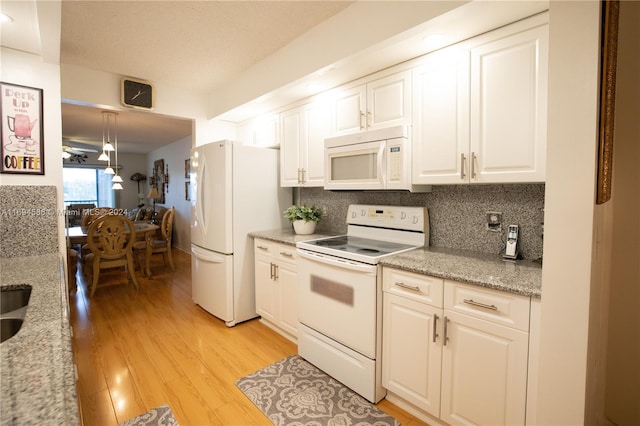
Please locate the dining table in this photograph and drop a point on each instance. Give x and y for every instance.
(78, 235)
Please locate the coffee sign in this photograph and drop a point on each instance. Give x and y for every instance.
(22, 129)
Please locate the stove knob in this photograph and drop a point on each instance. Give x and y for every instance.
(403, 215)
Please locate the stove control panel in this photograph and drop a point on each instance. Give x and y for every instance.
(393, 217)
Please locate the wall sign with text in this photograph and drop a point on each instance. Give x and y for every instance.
(22, 133)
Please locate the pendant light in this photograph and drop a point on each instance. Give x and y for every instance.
(117, 180)
(108, 146)
(106, 137)
(104, 156)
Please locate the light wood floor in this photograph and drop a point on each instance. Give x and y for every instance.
(137, 350)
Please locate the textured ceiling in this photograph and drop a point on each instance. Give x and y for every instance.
(196, 45)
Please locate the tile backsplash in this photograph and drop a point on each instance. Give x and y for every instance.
(28, 220)
(457, 213)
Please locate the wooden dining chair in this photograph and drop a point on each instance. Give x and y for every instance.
(111, 239)
(161, 243)
(89, 217)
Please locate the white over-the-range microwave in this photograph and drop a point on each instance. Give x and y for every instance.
(372, 160)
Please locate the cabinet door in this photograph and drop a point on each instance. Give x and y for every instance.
(266, 131)
(509, 108)
(264, 284)
(349, 110)
(288, 295)
(317, 127)
(290, 147)
(389, 101)
(484, 372)
(441, 118)
(411, 359)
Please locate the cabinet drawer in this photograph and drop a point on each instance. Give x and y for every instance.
(418, 287)
(285, 253)
(497, 306)
(276, 251)
(264, 247)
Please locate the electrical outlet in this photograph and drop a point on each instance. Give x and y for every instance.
(494, 221)
(325, 211)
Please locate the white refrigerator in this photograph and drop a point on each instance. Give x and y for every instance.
(234, 191)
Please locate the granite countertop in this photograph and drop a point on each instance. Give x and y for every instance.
(486, 270)
(285, 236)
(37, 378)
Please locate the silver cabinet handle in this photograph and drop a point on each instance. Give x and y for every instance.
(362, 115)
(285, 254)
(407, 286)
(480, 304)
(299, 175)
(275, 272)
(446, 337)
(435, 333)
(263, 248)
(271, 271)
(462, 164)
(368, 118)
(473, 165)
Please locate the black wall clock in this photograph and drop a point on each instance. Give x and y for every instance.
(136, 93)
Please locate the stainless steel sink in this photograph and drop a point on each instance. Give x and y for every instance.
(9, 327)
(13, 298)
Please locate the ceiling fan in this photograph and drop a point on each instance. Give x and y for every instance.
(76, 151)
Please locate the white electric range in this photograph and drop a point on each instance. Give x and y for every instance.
(340, 285)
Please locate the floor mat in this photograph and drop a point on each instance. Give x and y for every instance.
(293, 391)
(159, 416)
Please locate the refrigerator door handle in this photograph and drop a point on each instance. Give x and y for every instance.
(206, 255)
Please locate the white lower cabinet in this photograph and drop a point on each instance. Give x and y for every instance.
(276, 287)
(454, 351)
(412, 373)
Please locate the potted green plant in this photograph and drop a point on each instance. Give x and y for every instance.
(304, 218)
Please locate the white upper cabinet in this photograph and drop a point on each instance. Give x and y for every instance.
(480, 109)
(509, 108)
(380, 103)
(303, 131)
(261, 131)
(441, 117)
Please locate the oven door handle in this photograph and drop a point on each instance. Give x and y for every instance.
(340, 263)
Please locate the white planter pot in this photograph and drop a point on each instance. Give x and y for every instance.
(304, 228)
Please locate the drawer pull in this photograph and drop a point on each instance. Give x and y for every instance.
(480, 304)
(285, 254)
(407, 286)
(263, 248)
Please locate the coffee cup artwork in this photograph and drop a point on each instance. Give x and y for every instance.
(22, 130)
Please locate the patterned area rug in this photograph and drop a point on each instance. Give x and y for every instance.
(294, 392)
(159, 416)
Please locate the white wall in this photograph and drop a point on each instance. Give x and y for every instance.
(174, 156)
(127, 198)
(569, 210)
(623, 355)
(29, 70)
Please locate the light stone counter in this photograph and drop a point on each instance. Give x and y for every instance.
(37, 375)
(485, 270)
(285, 236)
